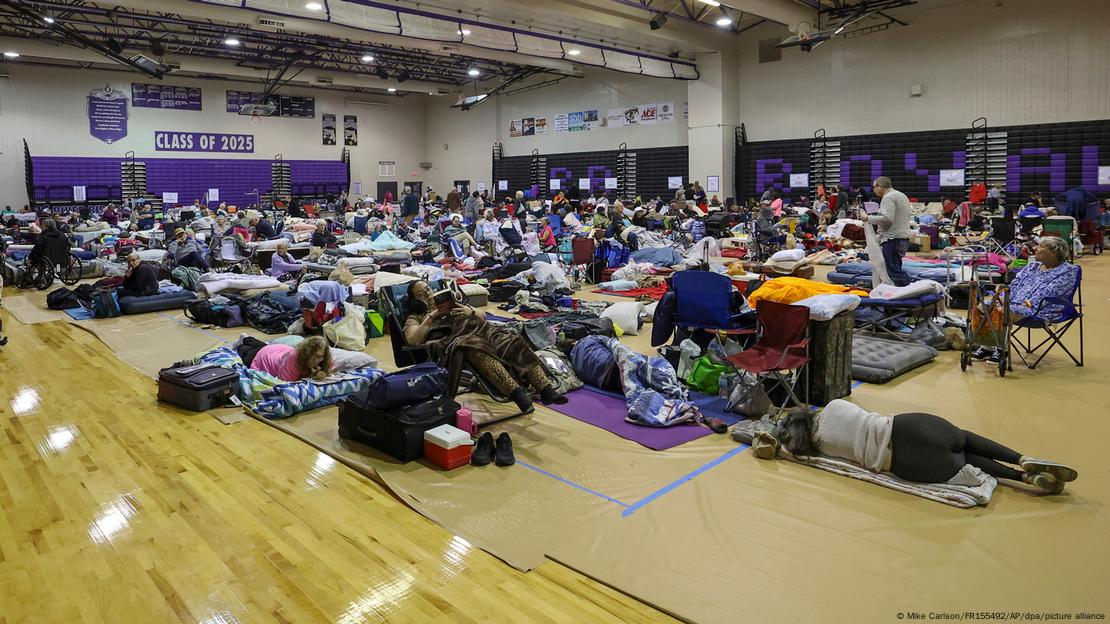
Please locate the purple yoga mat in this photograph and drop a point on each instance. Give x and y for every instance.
(609, 412)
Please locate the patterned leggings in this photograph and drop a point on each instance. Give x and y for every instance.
(495, 373)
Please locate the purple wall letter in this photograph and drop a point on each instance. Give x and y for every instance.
(1055, 169)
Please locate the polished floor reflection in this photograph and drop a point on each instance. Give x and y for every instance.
(116, 509)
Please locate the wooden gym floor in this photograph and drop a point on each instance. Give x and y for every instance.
(114, 508)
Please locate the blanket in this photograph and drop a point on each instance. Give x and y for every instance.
(386, 241)
(652, 391)
(793, 289)
(970, 487)
(212, 283)
(655, 292)
(273, 398)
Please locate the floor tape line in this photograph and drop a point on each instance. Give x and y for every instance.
(190, 326)
(572, 484)
(674, 484)
(856, 384)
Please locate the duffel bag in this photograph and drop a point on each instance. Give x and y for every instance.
(272, 313)
(500, 292)
(205, 312)
(407, 386)
(104, 304)
(594, 363)
(398, 432)
(62, 299)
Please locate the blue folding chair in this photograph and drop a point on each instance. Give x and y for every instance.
(704, 300)
(556, 223)
(1071, 313)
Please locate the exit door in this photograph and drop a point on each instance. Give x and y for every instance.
(463, 187)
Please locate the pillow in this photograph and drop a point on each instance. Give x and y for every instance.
(343, 360)
(788, 255)
(626, 315)
(825, 307)
(473, 289)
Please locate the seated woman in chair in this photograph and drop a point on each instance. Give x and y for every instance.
(283, 266)
(546, 234)
(1049, 275)
(456, 334)
(915, 447)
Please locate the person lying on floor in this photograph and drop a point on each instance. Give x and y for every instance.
(1048, 276)
(456, 334)
(284, 266)
(186, 251)
(141, 280)
(310, 359)
(915, 447)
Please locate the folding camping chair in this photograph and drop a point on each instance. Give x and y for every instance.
(1071, 313)
(393, 304)
(1065, 228)
(782, 345)
(582, 249)
(705, 301)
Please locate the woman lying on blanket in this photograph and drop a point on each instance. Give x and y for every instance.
(914, 447)
(455, 333)
(310, 359)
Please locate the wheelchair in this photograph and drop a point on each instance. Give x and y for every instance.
(56, 261)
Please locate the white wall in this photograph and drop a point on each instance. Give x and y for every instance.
(47, 107)
(599, 90)
(468, 137)
(1029, 61)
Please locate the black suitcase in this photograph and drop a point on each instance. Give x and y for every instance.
(398, 432)
(197, 387)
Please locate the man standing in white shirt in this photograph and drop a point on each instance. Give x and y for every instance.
(893, 225)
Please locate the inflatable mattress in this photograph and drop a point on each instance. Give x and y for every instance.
(156, 303)
(878, 360)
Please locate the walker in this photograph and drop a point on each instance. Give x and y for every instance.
(986, 304)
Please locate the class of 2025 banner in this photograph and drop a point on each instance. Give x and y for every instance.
(170, 141)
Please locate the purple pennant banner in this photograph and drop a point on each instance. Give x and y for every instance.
(170, 141)
(165, 96)
(107, 110)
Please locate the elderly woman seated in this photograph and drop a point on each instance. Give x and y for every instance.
(456, 334)
(1049, 276)
(284, 266)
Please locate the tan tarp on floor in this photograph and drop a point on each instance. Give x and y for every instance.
(772, 541)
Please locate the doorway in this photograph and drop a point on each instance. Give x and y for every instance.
(417, 187)
(463, 187)
(383, 187)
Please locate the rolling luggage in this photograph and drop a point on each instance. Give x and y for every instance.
(398, 432)
(198, 387)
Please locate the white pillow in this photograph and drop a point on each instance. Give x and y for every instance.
(626, 315)
(824, 307)
(788, 255)
(343, 360)
(473, 289)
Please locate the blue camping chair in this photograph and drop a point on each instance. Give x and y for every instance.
(556, 223)
(1055, 328)
(360, 224)
(704, 300)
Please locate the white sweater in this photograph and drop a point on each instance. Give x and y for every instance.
(850, 432)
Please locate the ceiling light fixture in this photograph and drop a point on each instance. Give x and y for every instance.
(11, 55)
(231, 41)
(574, 51)
(313, 6)
(657, 22)
(724, 21)
(367, 58)
(464, 32)
(48, 19)
(392, 90)
(712, 3)
(473, 72)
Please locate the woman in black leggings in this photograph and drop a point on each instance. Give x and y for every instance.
(915, 446)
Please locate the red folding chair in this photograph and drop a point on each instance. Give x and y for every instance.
(582, 253)
(782, 345)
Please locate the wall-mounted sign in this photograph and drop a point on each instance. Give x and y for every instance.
(610, 183)
(170, 141)
(213, 195)
(713, 184)
(674, 182)
(350, 130)
(554, 184)
(502, 185)
(951, 177)
(583, 184)
(165, 96)
(107, 109)
(799, 180)
(78, 193)
(169, 199)
(481, 187)
(288, 105)
(327, 128)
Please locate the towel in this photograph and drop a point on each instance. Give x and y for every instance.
(970, 487)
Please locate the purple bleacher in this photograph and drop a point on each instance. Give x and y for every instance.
(314, 177)
(55, 177)
(191, 178)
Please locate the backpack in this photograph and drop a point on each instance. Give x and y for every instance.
(272, 313)
(407, 386)
(62, 299)
(104, 304)
(577, 330)
(503, 291)
(594, 363)
(205, 312)
(559, 370)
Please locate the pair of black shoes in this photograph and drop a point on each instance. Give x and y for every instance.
(991, 355)
(499, 452)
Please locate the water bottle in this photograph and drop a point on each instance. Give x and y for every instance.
(464, 420)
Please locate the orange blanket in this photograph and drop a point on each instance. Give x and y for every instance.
(794, 289)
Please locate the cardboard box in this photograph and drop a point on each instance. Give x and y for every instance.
(924, 242)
